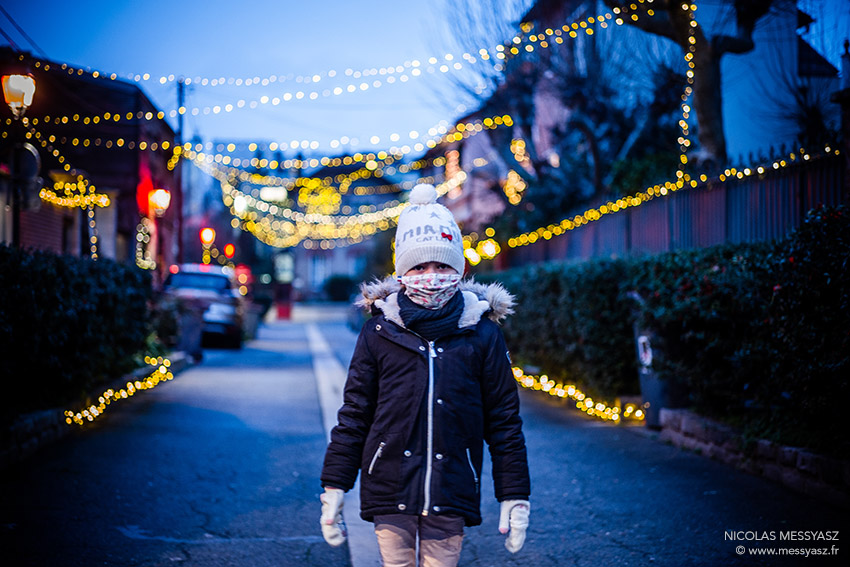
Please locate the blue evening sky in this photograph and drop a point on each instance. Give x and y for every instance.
(282, 39)
(289, 41)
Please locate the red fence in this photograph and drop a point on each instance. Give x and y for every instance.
(755, 208)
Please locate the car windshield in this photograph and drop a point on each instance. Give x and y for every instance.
(198, 281)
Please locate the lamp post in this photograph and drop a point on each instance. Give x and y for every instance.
(158, 202)
(18, 91)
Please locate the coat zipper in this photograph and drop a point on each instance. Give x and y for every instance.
(432, 354)
(376, 456)
(471, 466)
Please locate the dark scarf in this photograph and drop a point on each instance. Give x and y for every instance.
(431, 324)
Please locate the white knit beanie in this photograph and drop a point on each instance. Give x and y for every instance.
(427, 232)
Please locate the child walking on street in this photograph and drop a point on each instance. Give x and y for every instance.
(429, 382)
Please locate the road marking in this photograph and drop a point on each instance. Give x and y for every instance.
(330, 379)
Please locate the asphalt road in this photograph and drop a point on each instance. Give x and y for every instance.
(221, 467)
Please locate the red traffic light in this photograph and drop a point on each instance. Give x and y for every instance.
(229, 250)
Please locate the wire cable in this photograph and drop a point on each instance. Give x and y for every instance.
(22, 32)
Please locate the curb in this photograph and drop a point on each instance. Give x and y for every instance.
(33, 431)
(823, 478)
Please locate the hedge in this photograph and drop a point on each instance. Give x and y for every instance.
(572, 324)
(67, 324)
(758, 333)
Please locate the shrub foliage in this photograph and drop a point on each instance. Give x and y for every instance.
(67, 324)
(759, 333)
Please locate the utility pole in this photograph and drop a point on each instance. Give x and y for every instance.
(178, 169)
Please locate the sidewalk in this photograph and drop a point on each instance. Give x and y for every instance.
(330, 380)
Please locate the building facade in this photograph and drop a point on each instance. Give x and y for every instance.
(104, 183)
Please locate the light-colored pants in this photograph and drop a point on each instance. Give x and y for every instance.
(440, 540)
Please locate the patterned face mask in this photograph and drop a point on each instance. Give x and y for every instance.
(431, 291)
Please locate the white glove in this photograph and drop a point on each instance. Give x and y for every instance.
(514, 516)
(333, 528)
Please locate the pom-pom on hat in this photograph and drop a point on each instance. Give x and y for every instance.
(427, 232)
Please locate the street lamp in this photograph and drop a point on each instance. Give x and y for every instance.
(207, 237)
(18, 91)
(159, 199)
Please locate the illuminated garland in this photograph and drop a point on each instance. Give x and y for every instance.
(106, 117)
(683, 179)
(684, 141)
(449, 61)
(92, 232)
(80, 193)
(212, 253)
(296, 227)
(110, 396)
(306, 79)
(500, 53)
(83, 201)
(352, 87)
(375, 164)
(119, 143)
(651, 193)
(144, 259)
(586, 404)
(514, 187)
(284, 233)
(280, 226)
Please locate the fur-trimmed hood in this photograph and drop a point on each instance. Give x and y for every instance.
(479, 299)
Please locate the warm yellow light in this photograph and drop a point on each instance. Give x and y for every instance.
(159, 200)
(207, 236)
(18, 91)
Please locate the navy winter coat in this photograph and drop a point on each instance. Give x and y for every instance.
(416, 414)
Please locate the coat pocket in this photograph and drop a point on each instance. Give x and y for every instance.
(472, 468)
(380, 469)
(378, 452)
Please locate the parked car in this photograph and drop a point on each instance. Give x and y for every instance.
(214, 291)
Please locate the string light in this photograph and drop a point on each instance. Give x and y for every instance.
(282, 227)
(584, 402)
(684, 141)
(651, 193)
(160, 374)
(476, 250)
(79, 200)
(144, 258)
(306, 79)
(79, 193)
(92, 232)
(434, 64)
(375, 163)
(315, 230)
(449, 63)
(514, 187)
(415, 71)
(118, 143)
(212, 253)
